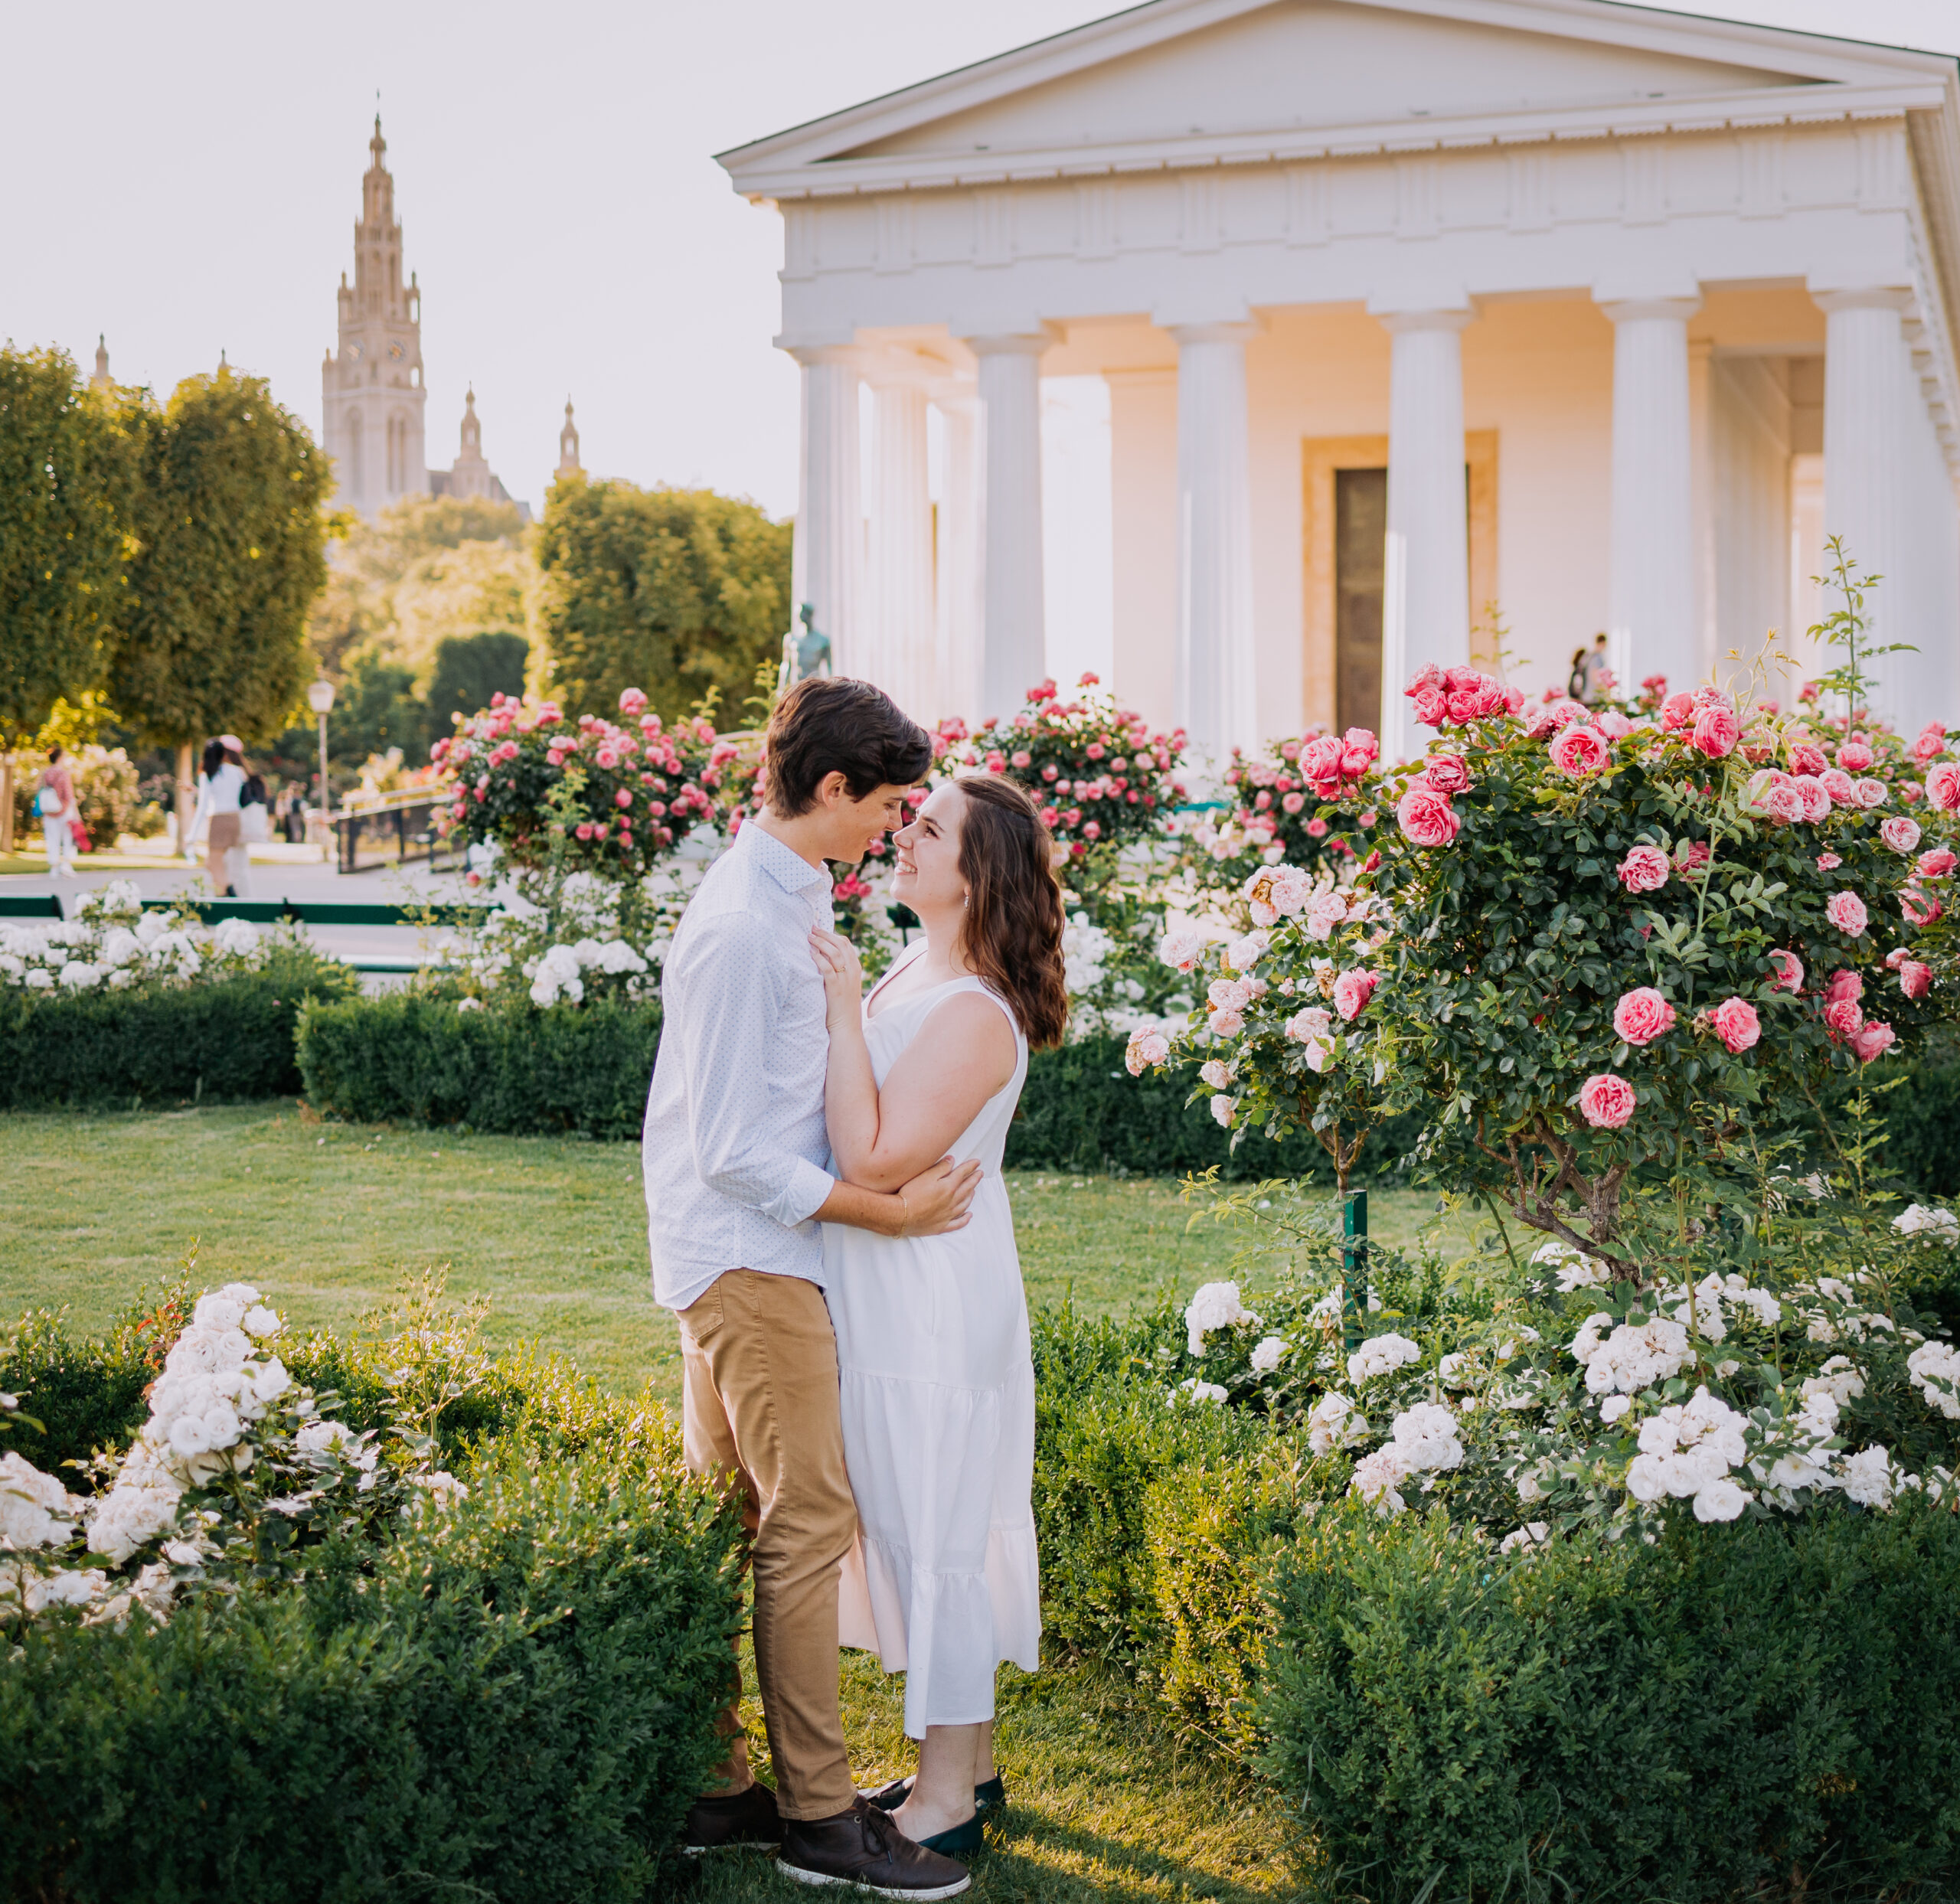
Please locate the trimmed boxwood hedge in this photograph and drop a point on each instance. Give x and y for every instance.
(513, 1700)
(414, 1058)
(233, 1038)
(1771, 1708)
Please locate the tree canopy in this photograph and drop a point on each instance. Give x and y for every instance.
(229, 556)
(675, 591)
(64, 479)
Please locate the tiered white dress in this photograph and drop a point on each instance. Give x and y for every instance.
(938, 1401)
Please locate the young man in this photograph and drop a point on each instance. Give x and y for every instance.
(735, 1156)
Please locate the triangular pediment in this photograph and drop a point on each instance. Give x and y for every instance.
(1310, 63)
(1176, 82)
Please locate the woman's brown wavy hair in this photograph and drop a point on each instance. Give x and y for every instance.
(1013, 931)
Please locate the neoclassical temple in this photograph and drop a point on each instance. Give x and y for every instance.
(1433, 330)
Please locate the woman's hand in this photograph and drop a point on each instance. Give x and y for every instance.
(843, 974)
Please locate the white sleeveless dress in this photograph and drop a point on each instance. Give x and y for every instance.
(938, 1401)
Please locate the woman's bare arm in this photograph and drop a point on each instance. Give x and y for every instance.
(883, 1139)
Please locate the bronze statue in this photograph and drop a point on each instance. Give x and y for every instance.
(805, 653)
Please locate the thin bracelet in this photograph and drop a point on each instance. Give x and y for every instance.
(905, 1214)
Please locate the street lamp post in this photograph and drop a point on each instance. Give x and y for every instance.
(320, 698)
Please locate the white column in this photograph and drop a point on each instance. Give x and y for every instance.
(830, 512)
(957, 674)
(1217, 699)
(1013, 632)
(1873, 420)
(1652, 599)
(900, 648)
(1425, 570)
(1708, 645)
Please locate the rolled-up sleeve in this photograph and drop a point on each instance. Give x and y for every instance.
(725, 1000)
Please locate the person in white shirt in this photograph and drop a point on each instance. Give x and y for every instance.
(216, 819)
(734, 1158)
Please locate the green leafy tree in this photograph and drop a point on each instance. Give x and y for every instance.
(230, 556)
(64, 482)
(676, 591)
(469, 669)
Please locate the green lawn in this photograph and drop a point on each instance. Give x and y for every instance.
(324, 1217)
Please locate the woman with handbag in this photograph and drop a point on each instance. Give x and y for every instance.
(54, 805)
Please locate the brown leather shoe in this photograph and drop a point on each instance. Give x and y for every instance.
(863, 1848)
(743, 1821)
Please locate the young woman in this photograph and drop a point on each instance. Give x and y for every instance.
(219, 787)
(937, 1381)
(54, 805)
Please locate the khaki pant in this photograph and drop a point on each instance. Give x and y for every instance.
(760, 1360)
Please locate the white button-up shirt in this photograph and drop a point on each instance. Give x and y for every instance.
(735, 1148)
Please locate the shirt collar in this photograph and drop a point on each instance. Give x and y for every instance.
(790, 870)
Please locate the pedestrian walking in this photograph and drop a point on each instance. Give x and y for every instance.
(54, 805)
(219, 787)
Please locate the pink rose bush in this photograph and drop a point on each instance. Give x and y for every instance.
(587, 795)
(1303, 801)
(1101, 775)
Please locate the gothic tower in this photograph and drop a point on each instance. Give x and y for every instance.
(371, 387)
(568, 445)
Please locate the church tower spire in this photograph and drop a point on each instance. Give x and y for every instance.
(568, 445)
(372, 391)
(102, 380)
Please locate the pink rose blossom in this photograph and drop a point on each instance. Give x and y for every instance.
(1842, 1017)
(1931, 743)
(1316, 828)
(1806, 760)
(1842, 984)
(1827, 861)
(1605, 1101)
(1226, 1025)
(1900, 832)
(1943, 786)
(1328, 911)
(1915, 979)
(631, 701)
(1352, 990)
(1580, 751)
(1613, 724)
(1691, 856)
(1936, 864)
(1228, 995)
(1872, 1040)
(1146, 1048)
(1643, 1015)
(1919, 906)
(1735, 1022)
(1292, 803)
(1784, 803)
(1644, 870)
(1432, 707)
(1445, 773)
(1847, 911)
(1320, 760)
(1840, 785)
(1678, 710)
(1815, 799)
(1716, 732)
(1789, 971)
(1427, 677)
(1427, 818)
(1871, 793)
(1312, 1021)
(1854, 755)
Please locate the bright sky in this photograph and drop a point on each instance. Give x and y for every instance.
(186, 178)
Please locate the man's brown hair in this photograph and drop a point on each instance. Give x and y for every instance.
(830, 724)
